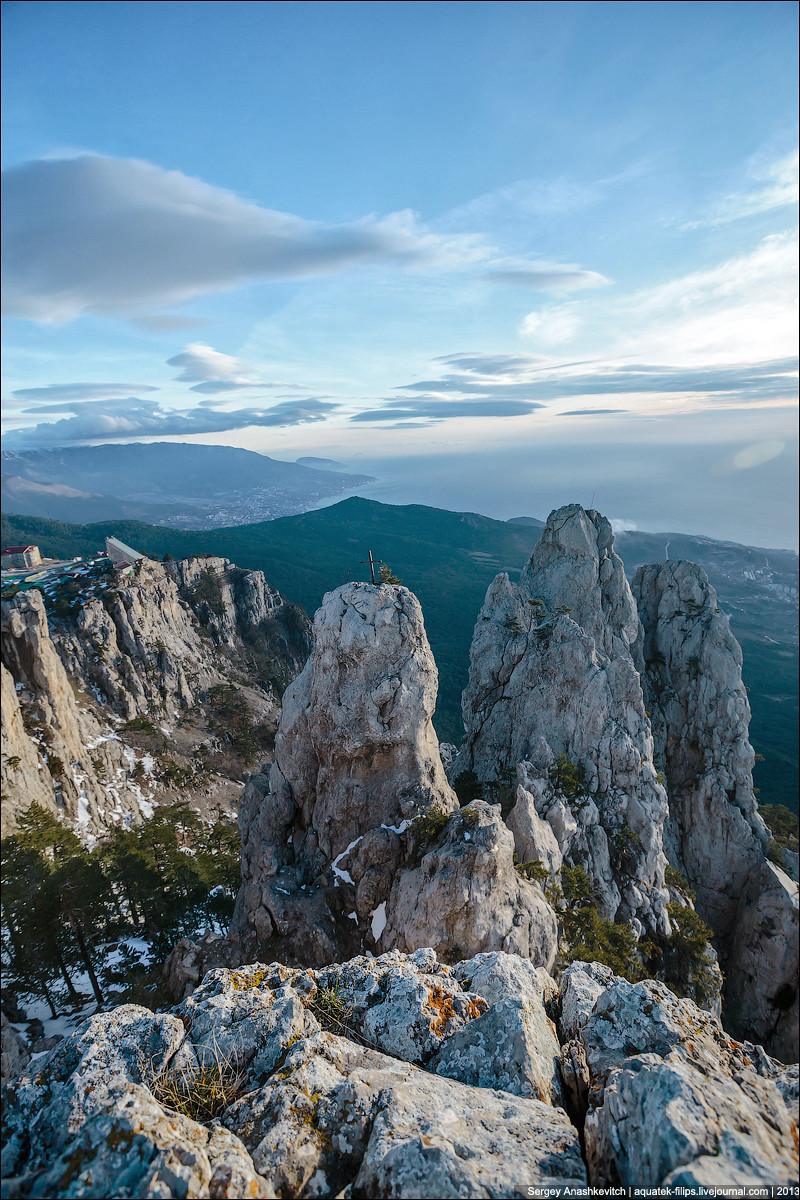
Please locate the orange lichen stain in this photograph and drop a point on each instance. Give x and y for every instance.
(442, 1007)
(242, 980)
(252, 1192)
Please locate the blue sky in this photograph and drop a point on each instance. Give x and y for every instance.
(409, 234)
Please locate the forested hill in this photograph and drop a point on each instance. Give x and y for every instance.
(448, 559)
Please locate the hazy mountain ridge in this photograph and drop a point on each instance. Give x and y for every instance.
(177, 485)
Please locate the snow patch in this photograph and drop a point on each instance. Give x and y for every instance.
(338, 871)
(104, 737)
(378, 920)
(401, 828)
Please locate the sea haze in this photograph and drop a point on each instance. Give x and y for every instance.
(693, 489)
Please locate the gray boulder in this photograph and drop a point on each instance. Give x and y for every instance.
(465, 897)
(513, 1047)
(87, 1123)
(14, 1053)
(403, 1006)
(339, 1115)
(672, 1098)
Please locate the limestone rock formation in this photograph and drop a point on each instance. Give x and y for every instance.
(189, 962)
(23, 772)
(239, 607)
(144, 649)
(356, 747)
(54, 747)
(318, 1111)
(761, 1000)
(389, 1129)
(403, 1006)
(356, 760)
(149, 647)
(14, 1055)
(673, 1101)
(553, 684)
(399, 1076)
(465, 897)
(692, 666)
(153, 641)
(103, 1128)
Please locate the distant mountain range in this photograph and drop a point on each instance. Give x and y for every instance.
(448, 559)
(173, 484)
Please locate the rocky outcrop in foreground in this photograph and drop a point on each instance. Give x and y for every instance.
(355, 841)
(400, 1076)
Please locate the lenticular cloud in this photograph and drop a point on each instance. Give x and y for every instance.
(107, 235)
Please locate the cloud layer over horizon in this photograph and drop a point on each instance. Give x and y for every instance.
(132, 417)
(514, 385)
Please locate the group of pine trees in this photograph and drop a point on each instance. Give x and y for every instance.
(62, 904)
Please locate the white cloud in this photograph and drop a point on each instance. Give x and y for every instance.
(497, 385)
(743, 310)
(623, 525)
(211, 371)
(201, 363)
(777, 185)
(545, 277)
(527, 198)
(552, 325)
(59, 392)
(135, 417)
(105, 235)
(214, 373)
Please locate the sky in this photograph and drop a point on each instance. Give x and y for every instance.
(499, 255)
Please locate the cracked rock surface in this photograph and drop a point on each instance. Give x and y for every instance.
(400, 1076)
(672, 1099)
(331, 1093)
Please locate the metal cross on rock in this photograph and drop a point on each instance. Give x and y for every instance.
(373, 563)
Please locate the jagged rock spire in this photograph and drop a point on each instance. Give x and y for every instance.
(551, 674)
(356, 759)
(692, 667)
